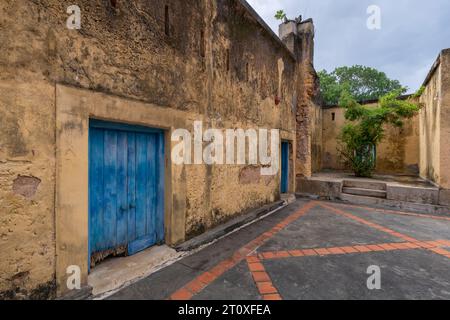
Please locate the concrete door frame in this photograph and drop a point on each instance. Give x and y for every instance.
(289, 138)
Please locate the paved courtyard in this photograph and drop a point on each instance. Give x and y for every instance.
(314, 250)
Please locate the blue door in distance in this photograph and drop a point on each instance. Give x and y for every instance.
(284, 167)
(126, 189)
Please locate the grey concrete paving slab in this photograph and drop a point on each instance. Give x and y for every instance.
(158, 286)
(321, 228)
(236, 284)
(224, 248)
(163, 283)
(416, 227)
(409, 274)
(405, 274)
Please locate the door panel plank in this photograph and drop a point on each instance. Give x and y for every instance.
(160, 169)
(96, 189)
(151, 187)
(132, 186)
(140, 244)
(141, 185)
(122, 194)
(109, 221)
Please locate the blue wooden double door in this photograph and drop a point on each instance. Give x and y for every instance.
(126, 189)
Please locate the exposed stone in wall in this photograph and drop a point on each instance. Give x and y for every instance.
(26, 186)
(308, 102)
(249, 175)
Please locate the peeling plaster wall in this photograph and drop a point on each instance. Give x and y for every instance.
(27, 187)
(215, 62)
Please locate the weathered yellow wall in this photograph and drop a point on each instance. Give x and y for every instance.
(330, 132)
(435, 124)
(218, 65)
(27, 156)
(27, 187)
(398, 153)
(445, 119)
(430, 124)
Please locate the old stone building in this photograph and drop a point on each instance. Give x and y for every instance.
(78, 107)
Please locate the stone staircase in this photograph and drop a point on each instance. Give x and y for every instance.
(420, 198)
(365, 188)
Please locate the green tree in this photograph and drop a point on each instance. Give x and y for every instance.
(363, 83)
(365, 128)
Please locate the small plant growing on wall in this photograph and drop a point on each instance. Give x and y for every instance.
(365, 128)
(280, 15)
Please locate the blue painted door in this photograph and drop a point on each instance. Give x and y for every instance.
(126, 188)
(284, 167)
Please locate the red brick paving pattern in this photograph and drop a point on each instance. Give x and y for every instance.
(431, 245)
(262, 279)
(199, 283)
(411, 243)
(395, 212)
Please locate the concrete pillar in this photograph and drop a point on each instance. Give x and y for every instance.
(298, 36)
(305, 31)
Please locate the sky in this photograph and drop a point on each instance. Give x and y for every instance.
(412, 33)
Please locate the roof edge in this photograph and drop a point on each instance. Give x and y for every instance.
(265, 26)
(433, 69)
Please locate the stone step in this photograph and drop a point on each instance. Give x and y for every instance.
(397, 205)
(365, 192)
(362, 184)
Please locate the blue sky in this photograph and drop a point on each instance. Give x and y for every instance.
(412, 33)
